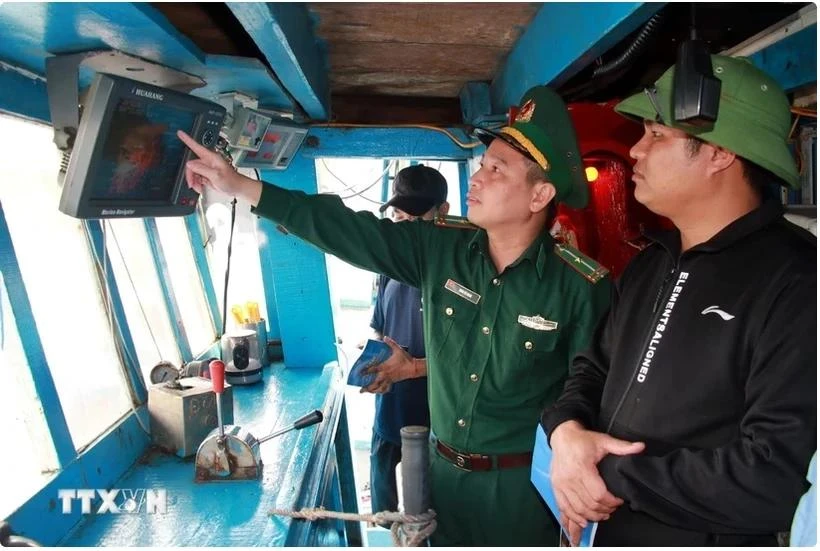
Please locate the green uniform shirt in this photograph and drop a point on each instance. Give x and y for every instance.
(494, 360)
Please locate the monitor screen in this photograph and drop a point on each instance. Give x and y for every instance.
(142, 154)
(127, 160)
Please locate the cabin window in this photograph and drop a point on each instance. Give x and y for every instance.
(246, 270)
(141, 294)
(186, 283)
(60, 277)
(30, 456)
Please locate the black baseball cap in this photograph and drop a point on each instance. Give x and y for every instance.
(417, 189)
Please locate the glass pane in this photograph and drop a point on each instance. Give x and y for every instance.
(59, 274)
(28, 468)
(186, 283)
(246, 270)
(141, 294)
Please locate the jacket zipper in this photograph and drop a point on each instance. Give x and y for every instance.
(662, 293)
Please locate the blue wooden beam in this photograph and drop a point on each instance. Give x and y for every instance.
(201, 260)
(33, 347)
(390, 143)
(463, 185)
(23, 94)
(171, 304)
(96, 238)
(792, 61)
(284, 33)
(562, 39)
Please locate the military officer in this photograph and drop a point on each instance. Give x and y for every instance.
(506, 308)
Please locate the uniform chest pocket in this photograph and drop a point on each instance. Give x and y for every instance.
(539, 350)
(451, 317)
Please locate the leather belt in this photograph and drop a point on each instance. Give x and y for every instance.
(479, 462)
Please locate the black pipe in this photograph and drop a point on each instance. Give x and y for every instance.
(637, 46)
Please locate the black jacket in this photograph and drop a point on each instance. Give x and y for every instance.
(709, 357)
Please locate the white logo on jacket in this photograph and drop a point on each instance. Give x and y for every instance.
(716, 310)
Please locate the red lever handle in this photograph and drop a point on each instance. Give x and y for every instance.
(217, 369)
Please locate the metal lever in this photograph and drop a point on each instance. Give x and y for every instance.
(217, 369)
(305, 421)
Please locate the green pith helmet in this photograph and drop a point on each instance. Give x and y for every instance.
(753, 117)
(543, 132)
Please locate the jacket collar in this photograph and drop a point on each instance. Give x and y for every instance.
(768, 212)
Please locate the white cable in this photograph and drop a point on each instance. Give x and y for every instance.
(358, 193)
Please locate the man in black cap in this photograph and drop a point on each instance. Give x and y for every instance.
(419, 192)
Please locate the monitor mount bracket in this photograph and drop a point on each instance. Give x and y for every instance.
(63, 84)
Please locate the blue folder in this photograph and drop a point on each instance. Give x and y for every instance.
(374, 353)
(540, 477)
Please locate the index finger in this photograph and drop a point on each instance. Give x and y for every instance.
(196, 147)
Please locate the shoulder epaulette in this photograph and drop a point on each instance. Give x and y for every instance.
(581, 263)
(454, 222)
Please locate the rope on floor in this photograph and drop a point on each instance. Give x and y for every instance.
(407, 530)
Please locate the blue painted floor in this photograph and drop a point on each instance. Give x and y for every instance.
(233, 513)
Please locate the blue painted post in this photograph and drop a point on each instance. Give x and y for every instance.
(35, 355)
(167, 290)
(298, 279)
(386, 186)
(132, 367)
(463, 184)
(201, 259)
(274, 329)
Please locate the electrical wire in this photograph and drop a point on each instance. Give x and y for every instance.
(358, 193)
(347, 187)
(228, 271)
(444, 131)
(376, 181)
(344, 355)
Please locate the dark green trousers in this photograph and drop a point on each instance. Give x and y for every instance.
(488, 508)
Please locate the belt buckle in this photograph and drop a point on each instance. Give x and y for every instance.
(463, 462)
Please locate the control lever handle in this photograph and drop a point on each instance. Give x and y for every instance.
(217, 369)
(305, 421)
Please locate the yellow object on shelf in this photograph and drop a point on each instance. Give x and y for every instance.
(253, 311)
(238, 315)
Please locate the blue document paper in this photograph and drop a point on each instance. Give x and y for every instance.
(374, 353)
(540, 477)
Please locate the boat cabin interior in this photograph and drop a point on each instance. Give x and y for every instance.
(121, 306)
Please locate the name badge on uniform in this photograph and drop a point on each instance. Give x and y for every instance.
(462, 291)
(538, 323)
